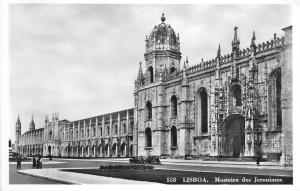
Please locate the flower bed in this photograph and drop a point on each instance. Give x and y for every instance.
(126, 167)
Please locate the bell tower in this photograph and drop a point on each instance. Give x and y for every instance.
(18, 133)
(162, 51)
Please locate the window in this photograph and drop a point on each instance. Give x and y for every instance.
(149, 110)
(236, 91)
(116, 130)
(150, 70)
(100, 131)
(87, 132)
(174, 106)
(131, 126)
(278, 99)
(172, 70)
(275, 112)
(204, 111)
(107, 131)
(124, 128)
(173, 136)
(148, 137)
(94, 131)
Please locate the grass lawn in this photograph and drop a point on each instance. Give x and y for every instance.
(186, 177)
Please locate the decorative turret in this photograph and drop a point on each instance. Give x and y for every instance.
(219, 52)
(46, 119)
(235, 43)
(18, 133)
(31, 124)
(162, 51)
(218, 63)
(140, 73)
(253, 45)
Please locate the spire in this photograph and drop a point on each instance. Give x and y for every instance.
(235, 34)
(236, 41)
(219, 52)
(18, 123)
(163, 18)
(31, 124)
(187, 61)
(253, 39)
(253, 45)
(140, 73)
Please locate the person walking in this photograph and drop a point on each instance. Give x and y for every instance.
(41, 162)
(38, 163)
(257, 161)
(19, 161)
(33, 163)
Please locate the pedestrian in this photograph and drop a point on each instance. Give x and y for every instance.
(19, 163)
(33, 163)
(38, 163)
(41, 162)
(257, 161)
(17, 159)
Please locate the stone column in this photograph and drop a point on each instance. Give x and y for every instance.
(103, 126)
(96, 126)
(84, 129)
(110, 125)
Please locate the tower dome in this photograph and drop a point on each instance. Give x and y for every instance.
(162, 37)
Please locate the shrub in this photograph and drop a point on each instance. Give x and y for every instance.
(126, 167)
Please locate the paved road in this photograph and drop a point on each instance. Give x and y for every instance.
(16, 178)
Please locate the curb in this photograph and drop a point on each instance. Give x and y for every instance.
(47, 178)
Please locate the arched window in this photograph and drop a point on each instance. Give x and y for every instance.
(174, 106)
(131, 127)
(237, 95)
(107, 131)
(124, 128)
(148, 137)
(275, 111)
(173, 136)
(278, 99)
(149, 110)
(150, 70)
(204, 111)
(116, 129)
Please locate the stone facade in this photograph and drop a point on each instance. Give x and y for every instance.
(109, 135)
(234, 105)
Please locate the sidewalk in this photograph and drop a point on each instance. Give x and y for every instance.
(232, 164)
(56, 174)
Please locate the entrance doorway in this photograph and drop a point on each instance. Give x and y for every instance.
(233, 141)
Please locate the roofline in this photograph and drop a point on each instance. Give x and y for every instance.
(287, 28)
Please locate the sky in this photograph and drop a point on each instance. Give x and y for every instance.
(81, 60)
